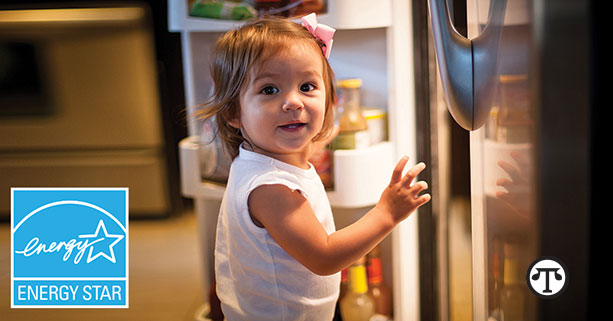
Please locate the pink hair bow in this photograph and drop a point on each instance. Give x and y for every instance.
(319, 31)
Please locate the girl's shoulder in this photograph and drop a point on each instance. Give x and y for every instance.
(273, 201)
(251, 174)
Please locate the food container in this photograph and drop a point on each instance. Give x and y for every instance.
(376, 119)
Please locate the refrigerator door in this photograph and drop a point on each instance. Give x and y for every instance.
(530, 161)
(491, 72)
(503, 185)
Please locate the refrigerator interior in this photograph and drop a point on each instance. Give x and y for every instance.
(374, 45)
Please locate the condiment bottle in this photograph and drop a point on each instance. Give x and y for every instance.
(378, 289)
(357, 304)
(353, 132)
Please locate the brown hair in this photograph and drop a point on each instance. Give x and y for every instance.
(236, 54)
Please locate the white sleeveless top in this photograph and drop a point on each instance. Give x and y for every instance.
(256, 278)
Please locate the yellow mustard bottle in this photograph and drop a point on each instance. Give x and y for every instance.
(357, 304)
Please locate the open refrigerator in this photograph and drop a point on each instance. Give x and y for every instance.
(446, 261)
(371, 43)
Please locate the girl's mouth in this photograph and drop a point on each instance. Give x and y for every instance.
(293, 127)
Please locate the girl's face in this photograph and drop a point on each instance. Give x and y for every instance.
(283, 104)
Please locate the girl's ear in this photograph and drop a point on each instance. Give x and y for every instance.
(234, 122)
(233, 118)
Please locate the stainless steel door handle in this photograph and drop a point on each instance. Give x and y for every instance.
(467, 66)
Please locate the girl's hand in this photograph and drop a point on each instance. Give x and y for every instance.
(400, 198)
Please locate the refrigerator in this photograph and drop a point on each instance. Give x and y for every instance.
(504, 134)
(517, 77)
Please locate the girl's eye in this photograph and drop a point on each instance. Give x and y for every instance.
(269, 90)
(307, 87)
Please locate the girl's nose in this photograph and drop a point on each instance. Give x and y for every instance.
(292, 102)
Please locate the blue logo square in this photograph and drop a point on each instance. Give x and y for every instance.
(69, 247)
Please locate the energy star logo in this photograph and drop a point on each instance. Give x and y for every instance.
(69, 247)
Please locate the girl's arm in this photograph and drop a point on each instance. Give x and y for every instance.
(290, 220)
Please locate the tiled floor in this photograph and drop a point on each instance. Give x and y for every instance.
(165, 276)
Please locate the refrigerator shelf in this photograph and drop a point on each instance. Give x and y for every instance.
(360, 175)
(191, 183)
(342, 14)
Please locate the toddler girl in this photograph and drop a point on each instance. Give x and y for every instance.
(277, 254)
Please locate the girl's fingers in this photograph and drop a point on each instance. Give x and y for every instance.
(397, 174)
(422, 199)
(419, 187)
(412, 173)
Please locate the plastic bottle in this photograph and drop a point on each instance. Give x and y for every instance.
(357, 304)
(378, 289)
(353, 132)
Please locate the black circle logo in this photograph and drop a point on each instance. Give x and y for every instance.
(547, 277)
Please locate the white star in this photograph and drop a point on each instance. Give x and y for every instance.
(117, 237)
